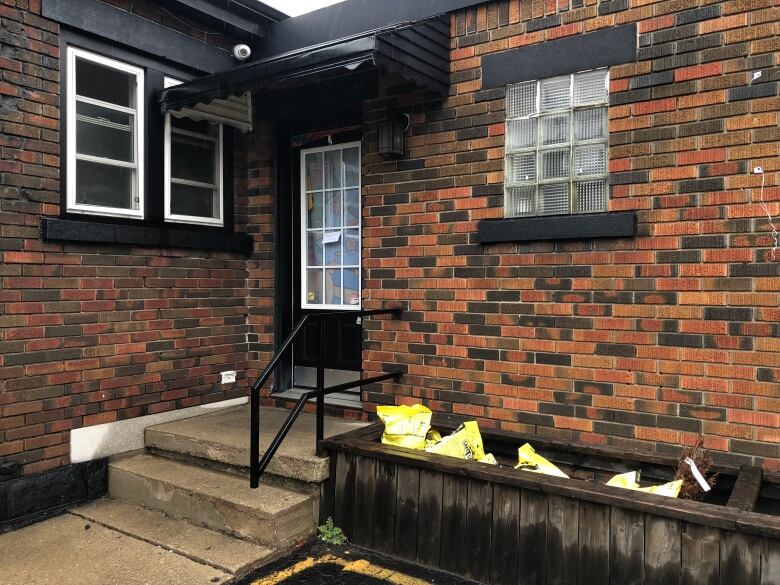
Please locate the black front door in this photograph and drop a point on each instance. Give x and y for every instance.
(327, 263)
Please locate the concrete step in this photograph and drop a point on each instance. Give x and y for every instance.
(219, 501)
(201, 545)
(223, 437)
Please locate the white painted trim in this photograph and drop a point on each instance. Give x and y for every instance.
(303, 260)
(138, 134)
(100, 441)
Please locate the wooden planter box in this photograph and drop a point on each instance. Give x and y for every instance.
(501, 526)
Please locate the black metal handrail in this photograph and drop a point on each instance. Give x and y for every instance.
(257, 466)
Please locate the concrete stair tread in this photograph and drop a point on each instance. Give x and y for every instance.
(224, 437)
(220, 501)
(195, 543)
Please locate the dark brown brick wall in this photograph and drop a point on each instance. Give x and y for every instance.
(644, 342)
(92, 334)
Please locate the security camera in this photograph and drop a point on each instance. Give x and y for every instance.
(242, 52)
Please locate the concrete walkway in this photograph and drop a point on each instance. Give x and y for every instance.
(68, 550)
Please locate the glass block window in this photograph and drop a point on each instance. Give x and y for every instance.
(330, 221)
(105, 129)
(556, 145)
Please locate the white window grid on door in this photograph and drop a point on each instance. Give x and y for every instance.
(343, 228)
(525, 178)
(216, 188)
(137, 116)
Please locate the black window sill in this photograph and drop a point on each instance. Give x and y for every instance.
(64, 230)
(562, 227)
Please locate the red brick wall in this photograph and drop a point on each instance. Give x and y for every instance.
(643, 342)
(91, 334)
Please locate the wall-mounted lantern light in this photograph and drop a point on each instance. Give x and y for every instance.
(391, 135)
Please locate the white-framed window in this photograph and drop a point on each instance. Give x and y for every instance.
(105, 136)
(330, 227)
(556, 145)
(194, 179)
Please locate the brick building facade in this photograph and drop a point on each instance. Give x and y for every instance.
(643, 342)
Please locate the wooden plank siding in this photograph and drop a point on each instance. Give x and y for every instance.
(487, 524)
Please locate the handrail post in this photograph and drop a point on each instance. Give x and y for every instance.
(321, 389)
(254, 445)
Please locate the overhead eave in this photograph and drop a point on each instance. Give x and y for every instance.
(418, 52)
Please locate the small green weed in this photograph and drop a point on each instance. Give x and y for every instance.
(331, 533)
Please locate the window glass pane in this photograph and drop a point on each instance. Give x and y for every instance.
(314, 286)
(352, 207)
(104, 83)
(332, 209)
(313, 169)
(333, 294)
(554, 198)
(555, 93)
(520, 201)
(333, 169)
(590, 124)
(314, 248)
(351, 248)
(104, 132)
(351, 286)
(521, 168)
(352, 167)
(590, 87)
(190, 125)
(194, 201)
(521, 133)
(193, 159)
(555, 128)
(332, 242)
(591, 196)
(104, 185)
(590, 160)
(554, 164)
(521, 99)
(314, 210)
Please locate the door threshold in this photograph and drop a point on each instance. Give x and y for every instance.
(342, 399)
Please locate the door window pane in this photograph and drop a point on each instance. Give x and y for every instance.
(351, 286)
(313, 171)
(314, 210)
(351, 167)
(333, 286)
(314, 286)
(194, 201)
(331, 218)
(332, 209)
(333, 169)
(314, 247)
(352, 207)
(104, 185)
(351, 248)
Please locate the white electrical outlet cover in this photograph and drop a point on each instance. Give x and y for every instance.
(228, 377)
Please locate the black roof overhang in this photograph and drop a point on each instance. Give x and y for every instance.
(417, 52)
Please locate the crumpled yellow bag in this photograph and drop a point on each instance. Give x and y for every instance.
(630, 481)
(530, 460)
(464, 443)
(405, 426)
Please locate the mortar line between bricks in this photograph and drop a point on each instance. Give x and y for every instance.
(175, 551)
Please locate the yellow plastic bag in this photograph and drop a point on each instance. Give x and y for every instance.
(432, 438)
(630, 481)
(489, 459)
(530, 460)
(464, 443)
(405, 426)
